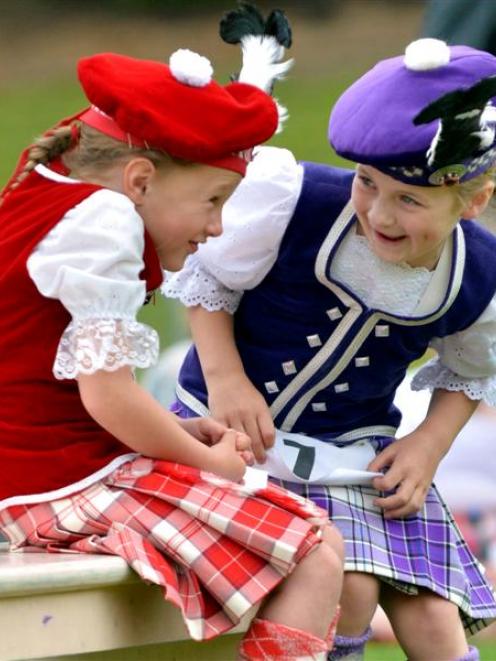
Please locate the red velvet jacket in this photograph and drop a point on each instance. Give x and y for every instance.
(47, 439)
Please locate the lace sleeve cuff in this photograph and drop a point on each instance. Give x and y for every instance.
(435, 375)
(88, 345)
(194, 285)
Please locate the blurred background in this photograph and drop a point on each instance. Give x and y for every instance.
(334, 42)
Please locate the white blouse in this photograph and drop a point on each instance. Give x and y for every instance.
(91, 261)
(255, 219)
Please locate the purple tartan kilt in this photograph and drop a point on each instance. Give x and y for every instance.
(422, 551)
(425, 550)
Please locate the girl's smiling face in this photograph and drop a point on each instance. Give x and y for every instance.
(181, 205)
(405, 223)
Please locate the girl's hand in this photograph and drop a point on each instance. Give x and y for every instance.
(210, 432)
(225, 458)
(411, 463)
(206, 430)
(237, 403)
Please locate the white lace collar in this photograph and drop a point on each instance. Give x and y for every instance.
(396, 288)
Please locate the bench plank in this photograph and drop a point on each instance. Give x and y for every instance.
(53, 605)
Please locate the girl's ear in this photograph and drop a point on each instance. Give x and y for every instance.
(136, 178)
(479, 202)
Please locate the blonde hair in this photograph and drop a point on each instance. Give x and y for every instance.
(466, 190)
(85, 151)
(44, 149)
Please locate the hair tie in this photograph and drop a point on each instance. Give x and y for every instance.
(75, 135)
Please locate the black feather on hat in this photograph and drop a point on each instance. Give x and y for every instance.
(247, 20)
(463, 128)
(263, 43)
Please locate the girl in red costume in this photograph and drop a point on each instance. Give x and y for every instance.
(90, 462)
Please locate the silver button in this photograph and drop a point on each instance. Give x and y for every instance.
(341, 387)
(362, 361)
(271, 386)
(314, 340)
(319, 406)
(382, 330)
(334, 313)
(289, 367)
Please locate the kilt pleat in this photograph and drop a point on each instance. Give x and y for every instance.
(215, 549)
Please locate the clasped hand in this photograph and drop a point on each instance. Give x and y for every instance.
(230, 449)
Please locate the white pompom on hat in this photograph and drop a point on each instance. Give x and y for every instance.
(426, 54)
(190, 68)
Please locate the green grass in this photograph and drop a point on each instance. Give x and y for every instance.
(376, 652)
(28, 109)
(390, 652)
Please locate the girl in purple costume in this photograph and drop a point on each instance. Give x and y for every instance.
(379, 256)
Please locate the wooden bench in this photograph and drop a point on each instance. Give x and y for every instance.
(92, 607)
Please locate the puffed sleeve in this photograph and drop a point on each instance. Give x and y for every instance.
(254, 220)
(466, 361)
(91, 261)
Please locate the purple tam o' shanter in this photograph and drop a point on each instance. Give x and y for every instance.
(424, 118)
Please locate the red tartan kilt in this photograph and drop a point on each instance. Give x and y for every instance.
(215, 549)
